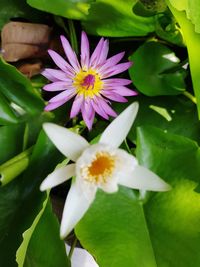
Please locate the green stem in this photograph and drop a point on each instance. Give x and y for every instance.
(72, 34)
(127, 146)
(15, 166)
(72, 248)
(190, 96)
(25, 139)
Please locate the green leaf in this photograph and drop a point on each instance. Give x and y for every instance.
(192, 40)
(179, 156)
(116, 18)
(192, 9)
(172, 217)
(21, 252)
(153, 70)
(7, 115)
(182, 117)
(10, 9)
(11, 141)
(18, 89)
(115, 232)
(21, 200)
(69, 9)
(42, 246)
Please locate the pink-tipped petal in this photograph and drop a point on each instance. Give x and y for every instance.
(112, 61)
(76, 106)
(99, 110)
(123, 91)
(57, 74)
(66, 95)
(85, 51)
(116, 69)
(114, 96)
(88, 114)
(107, 108)
(58, 86)
(61, 63)
(96, 54)
(49, 76)
(104, 53)
(116, 82)
(71, 55)
(52, 106)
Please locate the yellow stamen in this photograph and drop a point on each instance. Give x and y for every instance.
(90, 89)
(101, 168)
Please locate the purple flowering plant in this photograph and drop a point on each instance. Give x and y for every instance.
(99, 149)
(87, 81)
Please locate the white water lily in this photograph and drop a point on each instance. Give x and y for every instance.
(102, 165)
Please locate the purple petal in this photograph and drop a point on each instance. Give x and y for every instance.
(66, 95)
(117, 69)
(88, 115)
(104, 53)
(57, 86)
(52, 106)
(85, 51)
(71, 55)
(116, 81)
(57, 74)
(113, 96)
(61, 63)
(106, 107)
(96, 54)
(88, 108)
(122, 90)
(76, 106)
(112, 61)
(49, 76)
(99, 110)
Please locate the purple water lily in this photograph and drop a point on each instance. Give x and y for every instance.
(87, 81)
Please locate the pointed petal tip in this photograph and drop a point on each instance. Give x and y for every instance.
(165, 187)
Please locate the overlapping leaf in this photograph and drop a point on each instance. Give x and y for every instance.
(153, 70)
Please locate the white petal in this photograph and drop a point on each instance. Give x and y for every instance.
(142, 178)
(58, 176)
(81, 258)
(118, 129)
(75, 207)
(69, 143)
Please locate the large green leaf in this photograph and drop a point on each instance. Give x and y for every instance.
(21, 200)
(153, 70)
(172, 217)
(192, 9)
(18, 89)
(115, 232)
(179, 156)
(69, 9)
(10, 9)
(116, 18)
(42, 245)
(192, 40)
(169, 235)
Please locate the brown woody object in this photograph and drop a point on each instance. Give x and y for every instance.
(24, 40)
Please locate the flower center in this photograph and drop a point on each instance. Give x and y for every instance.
(100, 170)
(88, 83)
